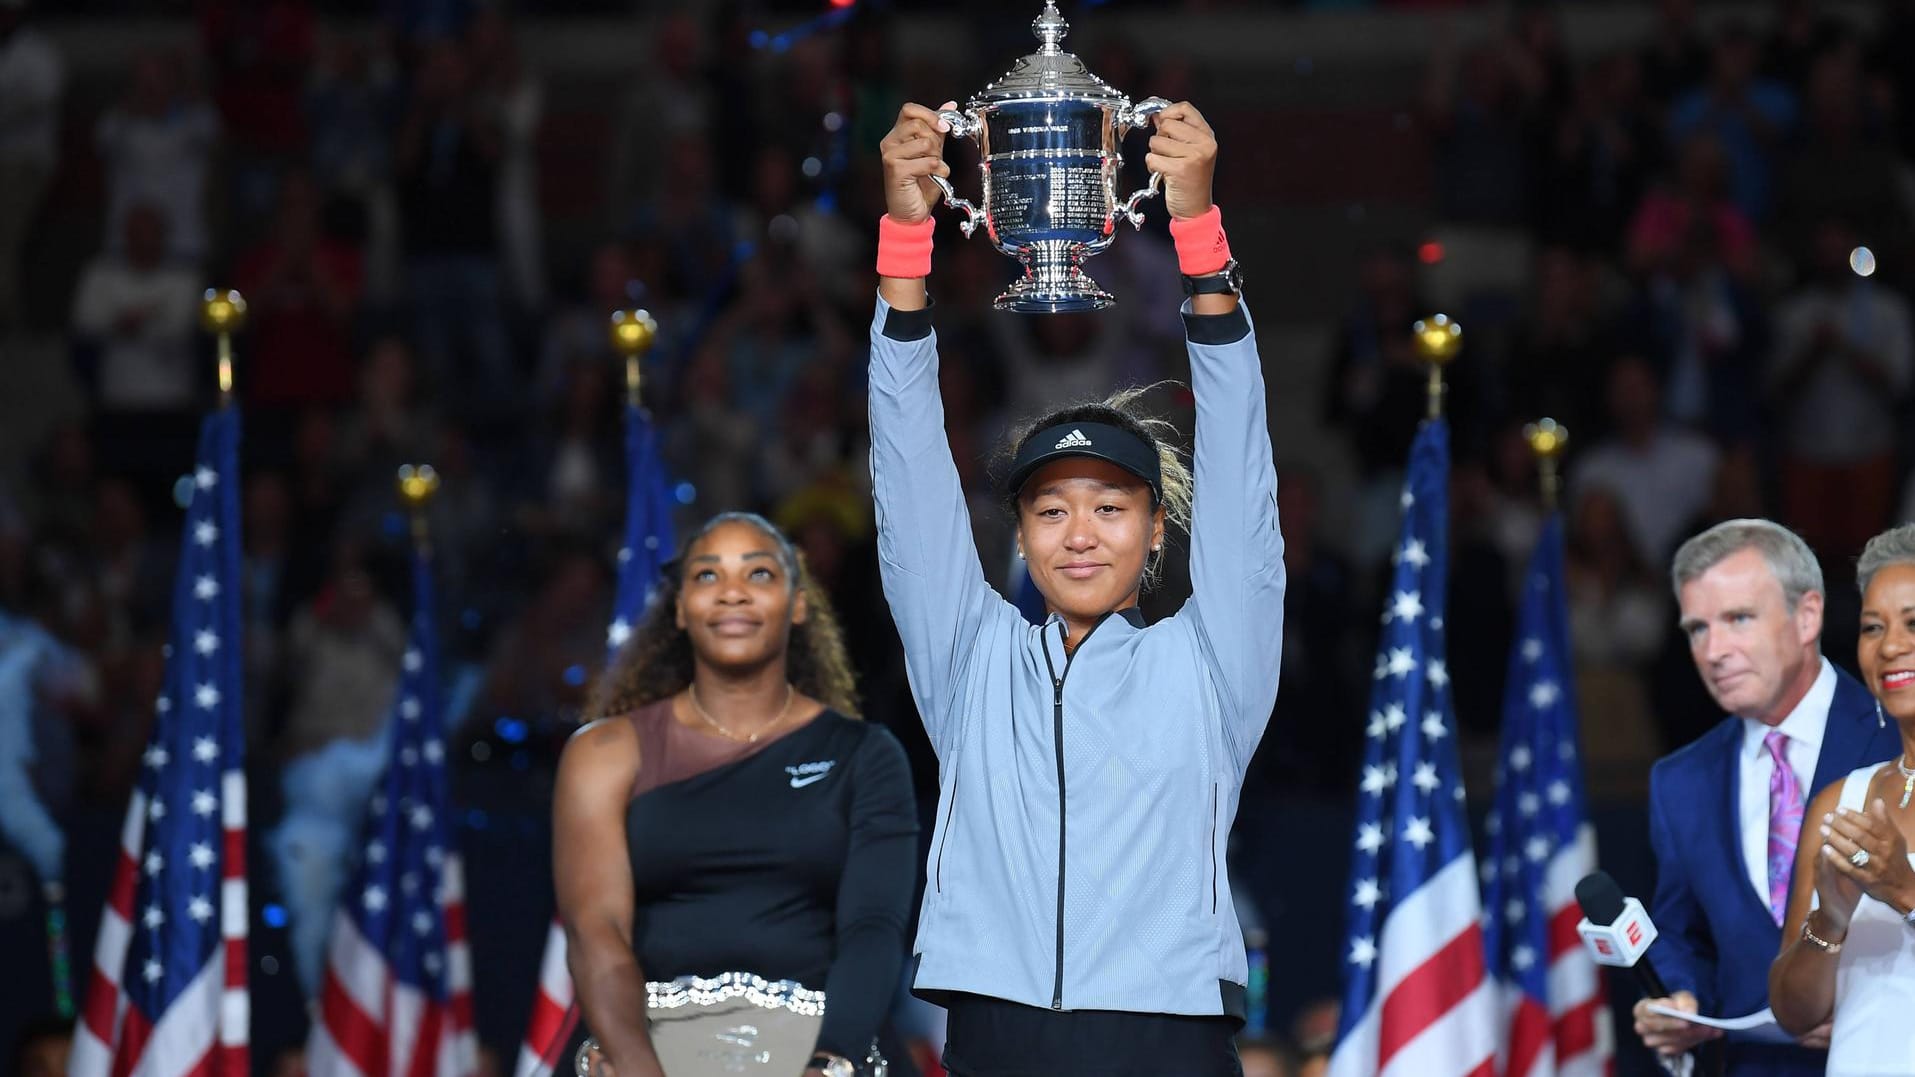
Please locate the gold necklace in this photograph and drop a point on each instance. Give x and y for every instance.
(1908, 779)
(691, 690)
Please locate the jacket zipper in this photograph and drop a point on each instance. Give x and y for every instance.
(1213, 848)
(1057, 736)
(950, 811)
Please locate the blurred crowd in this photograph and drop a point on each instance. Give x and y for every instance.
(1692, 249)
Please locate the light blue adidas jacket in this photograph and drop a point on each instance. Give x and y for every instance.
(1084, 801)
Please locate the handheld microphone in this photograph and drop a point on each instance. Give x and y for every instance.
(1617, 931)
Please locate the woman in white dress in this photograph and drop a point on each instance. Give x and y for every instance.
(1849, 952)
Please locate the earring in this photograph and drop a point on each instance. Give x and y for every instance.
(1020, 557)
(1157, 548)
(1880, 721)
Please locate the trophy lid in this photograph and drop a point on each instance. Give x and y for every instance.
(1050, 72)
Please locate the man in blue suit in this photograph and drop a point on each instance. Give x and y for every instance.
(1725, 812)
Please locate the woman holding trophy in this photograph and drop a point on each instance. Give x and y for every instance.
(1077, 917)
(732, 849)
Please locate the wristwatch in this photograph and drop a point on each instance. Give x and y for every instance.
(1225, 281)
(832, 1065)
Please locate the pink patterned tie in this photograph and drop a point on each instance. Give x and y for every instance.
(1785, 822)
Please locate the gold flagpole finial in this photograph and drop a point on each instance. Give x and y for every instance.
(417, 484)
(633, 334)
(1438, 339)
(1548, 439)
(222, 312)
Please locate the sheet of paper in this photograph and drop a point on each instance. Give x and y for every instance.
(1759, 1026)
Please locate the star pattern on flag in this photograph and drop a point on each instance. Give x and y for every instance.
(1534, 821)
(1363, 952)
(400, 915)
(1407, 831)
(182, 867)
(1406, 606)
(648, 528)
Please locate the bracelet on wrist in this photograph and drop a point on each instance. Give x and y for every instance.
(1826, 946)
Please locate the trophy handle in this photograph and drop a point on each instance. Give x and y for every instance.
(1129, 209)
(1134, 117)
(964, 125)
(1141, 111)
(972, 215)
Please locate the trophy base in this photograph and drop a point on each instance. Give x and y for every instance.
(1054, 285)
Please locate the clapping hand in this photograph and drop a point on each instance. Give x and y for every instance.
(1863, 852)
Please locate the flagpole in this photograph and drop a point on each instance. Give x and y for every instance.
(633, 334)
(222, 312)
(1438, 339)
(1548, 439)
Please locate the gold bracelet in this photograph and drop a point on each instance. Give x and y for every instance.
(1821, 944)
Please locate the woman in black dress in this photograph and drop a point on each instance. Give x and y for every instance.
(730, 814)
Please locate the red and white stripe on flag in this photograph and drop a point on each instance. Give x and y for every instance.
(1575, 1036)
(204, 1030)
(373, 1023)
(167, 994)
(554, 1012)
(1434, 1013)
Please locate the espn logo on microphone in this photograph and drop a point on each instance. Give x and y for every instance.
(1622, 943)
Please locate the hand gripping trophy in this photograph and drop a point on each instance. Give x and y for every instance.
(1049, 135)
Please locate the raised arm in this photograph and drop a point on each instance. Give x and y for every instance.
(592, 869)
(929, 563)
(874, 898)
(1236, 549)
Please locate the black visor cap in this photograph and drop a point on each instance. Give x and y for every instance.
(1096, 441)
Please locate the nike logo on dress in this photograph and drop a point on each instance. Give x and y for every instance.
(808, 773)
(1073, 440)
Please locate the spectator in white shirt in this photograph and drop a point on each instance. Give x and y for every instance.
(135, 310)
(157, 145)
(32, 77)
(1661, 474)
(1841, 365)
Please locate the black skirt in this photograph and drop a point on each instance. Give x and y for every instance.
(988, 1037)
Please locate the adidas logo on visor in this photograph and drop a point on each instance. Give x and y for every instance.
(1073, 440)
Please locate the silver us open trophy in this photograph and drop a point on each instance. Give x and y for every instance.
(1049, 135)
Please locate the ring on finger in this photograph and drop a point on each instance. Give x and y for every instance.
(1859, 858)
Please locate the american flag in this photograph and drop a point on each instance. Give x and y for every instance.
(648, 545)
(167, 995)
(1540, 844)
(396, 996)
(1416, 1000)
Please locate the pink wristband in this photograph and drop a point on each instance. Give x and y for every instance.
(904, 250)
(1201, 245)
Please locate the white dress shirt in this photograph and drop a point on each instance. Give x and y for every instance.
(1804, 727)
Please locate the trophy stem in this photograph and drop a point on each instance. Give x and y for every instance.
(1054, 281)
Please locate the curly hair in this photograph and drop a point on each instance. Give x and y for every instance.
(657, 662)
(1122, 410)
